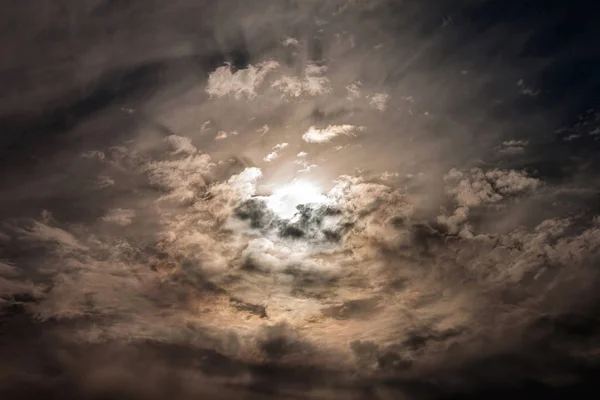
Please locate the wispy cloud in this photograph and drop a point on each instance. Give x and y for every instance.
(276, 152)
(324, 135)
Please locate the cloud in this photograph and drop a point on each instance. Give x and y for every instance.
(245, 182)
(324, 135)
(353, 90)
(239, 84)
(526, 90)
(222, 135)
(314, 83)
(513, 146)
(308, 168)
(181, 144)
(263, 130)
(476, 187)
(119, 216)
(164, 269)
(182, 176)
(290, 86)
(290, 41)
(41, 232)
(379, 101)
(276, 152)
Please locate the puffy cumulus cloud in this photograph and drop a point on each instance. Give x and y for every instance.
(314, 83)
(245, 182)
(324, 135)
(476, 187)
(241, 83)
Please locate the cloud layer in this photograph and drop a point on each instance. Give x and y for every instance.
(324, 199)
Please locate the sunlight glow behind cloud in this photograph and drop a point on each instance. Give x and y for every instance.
(285, 199)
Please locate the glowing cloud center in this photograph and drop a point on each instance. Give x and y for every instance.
(285, 199)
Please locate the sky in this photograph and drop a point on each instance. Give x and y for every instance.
(299, 199)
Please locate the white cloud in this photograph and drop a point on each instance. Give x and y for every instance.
(312, 84)
(288, 85)
(290, 41)
(316, 85)
(307, 168)
(386, 175)
(221, 135)
(315, 135)
(271, 156)
(275, 153)
(379, 101)
(241, 84)
(245, 182)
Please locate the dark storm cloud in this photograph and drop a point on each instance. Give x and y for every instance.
(141, 142)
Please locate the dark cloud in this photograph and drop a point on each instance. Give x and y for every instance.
(298, 199)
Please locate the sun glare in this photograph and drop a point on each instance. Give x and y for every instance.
(285, 199)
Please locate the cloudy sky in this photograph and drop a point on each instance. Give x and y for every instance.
(299, 199)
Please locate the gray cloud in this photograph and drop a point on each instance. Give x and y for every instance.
(452, 245)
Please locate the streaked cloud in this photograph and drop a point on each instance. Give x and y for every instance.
(324, 135)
